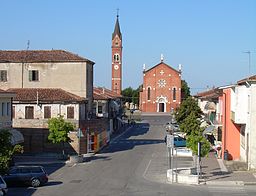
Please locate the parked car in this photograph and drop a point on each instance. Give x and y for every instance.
(3, 186)
(26, 175)
(179, 141)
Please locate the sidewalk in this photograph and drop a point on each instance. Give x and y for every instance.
(215, 172)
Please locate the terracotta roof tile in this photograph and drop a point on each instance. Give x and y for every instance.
(44, 94)
(35, 56)
(251, 78)
(100, 93)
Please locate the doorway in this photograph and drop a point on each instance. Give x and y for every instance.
(161, 107)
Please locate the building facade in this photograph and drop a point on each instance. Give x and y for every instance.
(161, 91)
(117, 47)
(47, 69)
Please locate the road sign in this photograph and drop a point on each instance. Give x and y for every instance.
(170, 141)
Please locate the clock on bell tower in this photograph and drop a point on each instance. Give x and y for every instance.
(117, 58)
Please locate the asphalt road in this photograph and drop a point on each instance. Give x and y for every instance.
(126, 167)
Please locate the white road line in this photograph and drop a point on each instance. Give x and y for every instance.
(146, 168)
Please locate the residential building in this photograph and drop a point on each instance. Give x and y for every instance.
(6, 116)
(108, 104)
(236, 111)
(47, 69)
(161, 91)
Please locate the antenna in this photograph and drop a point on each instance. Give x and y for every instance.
(249, 60)
(28, 44)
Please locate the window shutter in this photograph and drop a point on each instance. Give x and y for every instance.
(47, 111)
(13, 112)
(70, 112)
(30, 74)
(29, 112)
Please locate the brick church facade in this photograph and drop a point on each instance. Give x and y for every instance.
(161, 91)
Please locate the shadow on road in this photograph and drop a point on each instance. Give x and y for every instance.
(126, 141)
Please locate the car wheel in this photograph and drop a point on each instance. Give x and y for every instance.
(35, 182)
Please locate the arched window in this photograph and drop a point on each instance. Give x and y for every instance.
(148, 93)
(116, 57)
(174, 94)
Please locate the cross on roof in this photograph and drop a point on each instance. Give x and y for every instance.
(161, 72)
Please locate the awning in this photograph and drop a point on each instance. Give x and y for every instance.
(17, 137)
(210, 106)
(209, 129)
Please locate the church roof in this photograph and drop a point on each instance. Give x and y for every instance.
(36, 56)
(117, 30)
(163, 64)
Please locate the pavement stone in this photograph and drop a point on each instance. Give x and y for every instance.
(214, 173)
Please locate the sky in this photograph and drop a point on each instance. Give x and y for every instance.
(208, 37)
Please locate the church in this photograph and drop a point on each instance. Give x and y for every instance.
(161, 90)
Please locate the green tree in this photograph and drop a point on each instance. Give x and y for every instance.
(191, 124)
(192, 143)
(59, 130)
(131, 95)
(185, 90)
(187, 106)
(7, 150)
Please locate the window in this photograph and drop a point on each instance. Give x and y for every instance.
(70, 112)
(148, 93)
(13, 112)
(100, 109)
(3, 105)
(116, 57)
(8, 108)
(3, 75)
(174, 94)
(33, 75)
(47, 111)
(29, 112)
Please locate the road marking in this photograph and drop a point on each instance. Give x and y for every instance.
(146, 168)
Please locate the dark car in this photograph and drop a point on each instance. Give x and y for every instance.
(26, 175)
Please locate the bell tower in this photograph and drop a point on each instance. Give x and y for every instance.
(117, 58)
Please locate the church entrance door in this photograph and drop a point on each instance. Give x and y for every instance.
(161, 107)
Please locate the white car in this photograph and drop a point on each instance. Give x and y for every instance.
(3, 187)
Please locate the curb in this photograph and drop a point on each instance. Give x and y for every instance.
(39, 162)
(225, 183)
(249, 183)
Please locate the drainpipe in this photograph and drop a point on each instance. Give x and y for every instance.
(225, 133)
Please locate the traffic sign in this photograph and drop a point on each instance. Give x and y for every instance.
(170, 141)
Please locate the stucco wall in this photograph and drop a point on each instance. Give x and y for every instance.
(231, 131)
(252, 134)
(68, 76)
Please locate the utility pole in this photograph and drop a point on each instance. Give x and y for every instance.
(249, 60)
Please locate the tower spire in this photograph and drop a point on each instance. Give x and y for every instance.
(117, 30)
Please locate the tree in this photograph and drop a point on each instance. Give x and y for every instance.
(59, 130)
(187, 106)
(191, 124)
(7, 150)
(185, 90)
(131, 95)
(192, 143)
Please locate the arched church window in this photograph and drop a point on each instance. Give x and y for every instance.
(116, 57)
(174, 94)
(148, 93)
